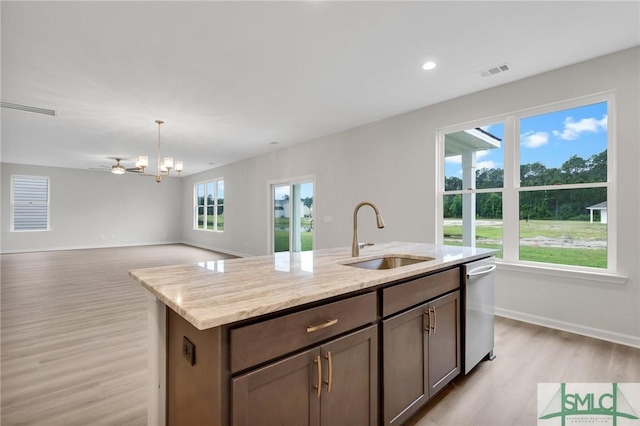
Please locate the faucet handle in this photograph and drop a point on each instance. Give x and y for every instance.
(362, 245)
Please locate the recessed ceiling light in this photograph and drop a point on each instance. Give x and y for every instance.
(428, 66)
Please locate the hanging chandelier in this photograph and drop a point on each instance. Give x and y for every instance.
(164, 167)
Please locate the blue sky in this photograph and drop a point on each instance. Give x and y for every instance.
(550, 138)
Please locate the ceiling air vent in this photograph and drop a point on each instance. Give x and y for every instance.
(495, 70)
(28, 108)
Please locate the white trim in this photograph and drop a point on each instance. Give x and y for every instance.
(564, 271)
(215, 206)
(597, 333)
(163, 243)
(511, 188)
(12, 204)
(157, 243)
(271, 184)
(229, 252)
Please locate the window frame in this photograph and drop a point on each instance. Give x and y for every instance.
(270, 207)
(511, 189)
(215, 206)
(13, 203)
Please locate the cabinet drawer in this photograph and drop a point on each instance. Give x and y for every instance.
(411, 293)
(260, 342)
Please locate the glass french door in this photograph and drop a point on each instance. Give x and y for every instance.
(292, 216)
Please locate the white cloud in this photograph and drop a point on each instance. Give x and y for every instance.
(572, 129)
(486, 165)
(456, 159)
(481, 154)
(534, 140)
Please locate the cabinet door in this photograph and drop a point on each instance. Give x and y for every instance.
(444, 341)
(282, 393)
(405, 360)
(350, 370)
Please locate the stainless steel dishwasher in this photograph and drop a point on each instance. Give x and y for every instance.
(479, 310)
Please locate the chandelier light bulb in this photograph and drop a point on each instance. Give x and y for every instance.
(142, 162)
(168, 163)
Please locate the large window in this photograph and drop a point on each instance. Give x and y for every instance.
(29, 203)
(534, 185)
(209, 209)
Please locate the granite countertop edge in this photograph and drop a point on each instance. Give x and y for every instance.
(218, 292)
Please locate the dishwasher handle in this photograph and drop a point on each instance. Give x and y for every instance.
(481, 270)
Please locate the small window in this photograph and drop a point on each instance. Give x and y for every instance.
(29, 203)
(209, 206)
(473, 182)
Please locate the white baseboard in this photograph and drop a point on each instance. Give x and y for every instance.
(229, 252)
(157, 243)
(610, 336)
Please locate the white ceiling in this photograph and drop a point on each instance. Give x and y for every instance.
(228, 78)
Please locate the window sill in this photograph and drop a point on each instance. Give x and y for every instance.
(602, 277)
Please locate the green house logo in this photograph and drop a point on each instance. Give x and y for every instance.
(590, 403)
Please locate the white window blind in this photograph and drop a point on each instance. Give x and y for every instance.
(30, 204)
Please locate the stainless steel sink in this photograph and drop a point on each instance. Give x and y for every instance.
(389, 262)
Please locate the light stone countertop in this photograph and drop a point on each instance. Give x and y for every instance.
(218, 292)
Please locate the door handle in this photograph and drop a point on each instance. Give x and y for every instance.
(431, 325)
(330, 372)
(435, 320)
(318, 362)
(428, 326)
(481, 270)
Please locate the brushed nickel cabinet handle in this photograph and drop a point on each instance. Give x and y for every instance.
(318, 362)
(329, 323)
(330, 372)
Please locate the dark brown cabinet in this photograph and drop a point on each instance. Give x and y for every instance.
(421, 355)
(335, 383)
(370, 358)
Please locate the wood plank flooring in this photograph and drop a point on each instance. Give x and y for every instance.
(504, 391)
(74, 334)
(73, 347)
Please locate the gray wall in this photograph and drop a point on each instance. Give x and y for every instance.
(392, 163)
(96, 209)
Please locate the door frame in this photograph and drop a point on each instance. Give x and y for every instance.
(270, 217)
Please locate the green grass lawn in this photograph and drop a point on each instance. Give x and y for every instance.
(282, 241)
(490, 236)
(210, 222)
(281, 236)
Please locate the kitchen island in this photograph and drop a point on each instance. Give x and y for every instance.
(306, 318)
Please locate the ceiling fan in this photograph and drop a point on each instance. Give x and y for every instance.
(118, 169)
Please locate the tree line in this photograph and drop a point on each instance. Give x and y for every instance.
(563, 204)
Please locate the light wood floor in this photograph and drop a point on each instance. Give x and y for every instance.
(73, 348)
(74, 334)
